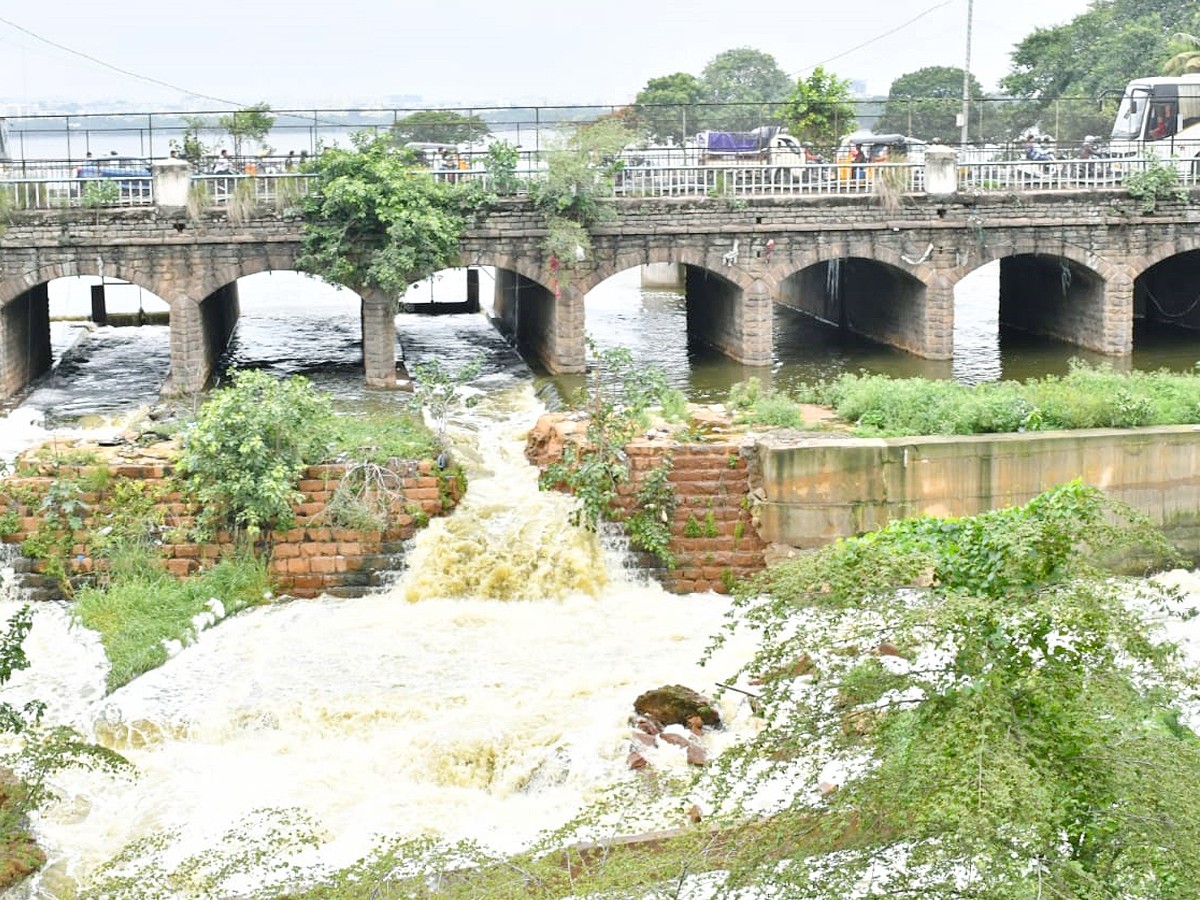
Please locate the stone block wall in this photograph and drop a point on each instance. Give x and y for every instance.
(712, 538)
(310, 559)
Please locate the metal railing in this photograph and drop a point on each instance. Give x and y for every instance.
(58, 184)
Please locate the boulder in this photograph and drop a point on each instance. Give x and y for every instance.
(675, 704)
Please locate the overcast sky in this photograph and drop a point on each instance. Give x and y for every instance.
(450, 52)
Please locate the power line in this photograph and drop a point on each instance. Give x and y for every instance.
(877, 37)
(117, 69)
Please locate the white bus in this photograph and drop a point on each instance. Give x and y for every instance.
(1160, 115)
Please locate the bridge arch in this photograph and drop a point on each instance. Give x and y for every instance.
(884, 298)
(25, 334)
(1166, 288)
(12, 288)
(1058, 290)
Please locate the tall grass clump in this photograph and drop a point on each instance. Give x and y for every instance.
(752, 405)
(1086, 397)
(140, 606)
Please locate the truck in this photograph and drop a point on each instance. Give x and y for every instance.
(768, 146)
(1160, 115)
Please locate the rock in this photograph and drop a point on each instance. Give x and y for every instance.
(887, 649)
(635, 760)
(647, 725)
(826, 788)
(695, 725)
(697, 755)
(675, 704)
(802, 666)
(545, 442)
(646, 740)
(670, 737)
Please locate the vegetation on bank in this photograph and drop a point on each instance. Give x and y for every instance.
(1086, 397)
(140, 610)
(239, 465)
(1002, 716)
(33, 753)
(617, 398)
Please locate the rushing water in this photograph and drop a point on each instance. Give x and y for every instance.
(460, 715)
(486, 694)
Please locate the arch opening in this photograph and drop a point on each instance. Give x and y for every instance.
(867, 298)
(1054, 297)
(85, 345)
(1166, 304)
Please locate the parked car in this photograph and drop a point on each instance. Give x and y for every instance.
(133, 175)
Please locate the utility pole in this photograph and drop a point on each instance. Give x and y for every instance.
(966, 98)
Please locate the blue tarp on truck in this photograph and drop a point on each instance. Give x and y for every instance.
(737, 141)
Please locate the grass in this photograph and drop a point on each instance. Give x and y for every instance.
(1086, 397)
(383, 437)
(142, 605)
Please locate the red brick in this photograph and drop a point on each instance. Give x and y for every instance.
(180, 568)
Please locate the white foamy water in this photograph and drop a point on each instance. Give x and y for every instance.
(464, 716)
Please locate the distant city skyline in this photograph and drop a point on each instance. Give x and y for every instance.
(457, 54)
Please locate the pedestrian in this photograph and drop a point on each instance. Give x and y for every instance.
(290, 163)
(859, 159)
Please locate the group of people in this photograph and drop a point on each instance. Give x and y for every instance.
(225, 164)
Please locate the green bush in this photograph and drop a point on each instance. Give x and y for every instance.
(243, 457)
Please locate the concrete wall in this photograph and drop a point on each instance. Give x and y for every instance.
(662, 276)
(814, 490)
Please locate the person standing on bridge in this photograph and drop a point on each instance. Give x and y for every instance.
(860, 160)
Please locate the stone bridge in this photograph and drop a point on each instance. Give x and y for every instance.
(1079, 266)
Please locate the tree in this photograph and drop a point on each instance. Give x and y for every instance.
(743, 88)
(926, 103)
(243, 456)
(190, 146)
(819, 109)
(1060, 72)
(667, 108)
(440, 126)
(578, 175)
(1004, 718)
(375, 221)
(1187, 55)
(252, 124)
